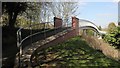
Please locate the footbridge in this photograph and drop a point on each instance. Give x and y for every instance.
(39, 39)
(29, 42)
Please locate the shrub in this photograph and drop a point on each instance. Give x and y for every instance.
(113, 37)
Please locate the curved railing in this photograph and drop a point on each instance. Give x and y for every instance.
(89, 27)
(63, 33)
(88, 21)
(20, 41)
(85, 24)
(19, 35)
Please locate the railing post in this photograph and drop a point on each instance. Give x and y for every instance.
(18, 45)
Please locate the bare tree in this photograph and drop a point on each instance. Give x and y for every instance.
(62, 10)
(68, 9)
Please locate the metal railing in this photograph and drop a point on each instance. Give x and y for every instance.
(20, 41)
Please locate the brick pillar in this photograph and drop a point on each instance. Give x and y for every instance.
(75, 24)
(57, 22)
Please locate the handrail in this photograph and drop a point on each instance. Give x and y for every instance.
(88, 21)
(39, 48)
(28, 26)
(86, 27)
(20, 40)
(94, 27)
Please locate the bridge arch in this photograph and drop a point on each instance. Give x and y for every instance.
(86, 25)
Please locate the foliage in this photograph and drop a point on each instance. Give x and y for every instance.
(4, 20)
(27, 23)
(26, 10)
(111, 27)
(38, 11)
(13, 9)
(90, 32)
(113, 37)
(33, 11)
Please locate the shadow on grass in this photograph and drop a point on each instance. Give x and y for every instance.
(74, 52)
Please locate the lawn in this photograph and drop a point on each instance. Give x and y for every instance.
(74, 52)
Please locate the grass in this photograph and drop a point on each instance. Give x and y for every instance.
(74, 52)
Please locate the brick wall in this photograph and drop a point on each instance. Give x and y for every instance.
(57, 22)
(75, 24)
(60, 39)
(70, 33)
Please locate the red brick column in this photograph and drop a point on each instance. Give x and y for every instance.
(75, 24)
(57, 22)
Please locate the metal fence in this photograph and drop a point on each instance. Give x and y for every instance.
(21, 40)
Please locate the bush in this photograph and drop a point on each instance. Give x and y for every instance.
(113, 37)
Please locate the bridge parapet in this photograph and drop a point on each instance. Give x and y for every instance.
(57, 22)
(75, 24)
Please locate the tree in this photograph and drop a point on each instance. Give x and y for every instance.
(114, 37)
(39, 11)
(13, 9)
(62, 10)
(69, 9)
(111, 27)
(27, 10)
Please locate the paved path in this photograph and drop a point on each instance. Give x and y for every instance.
(27, 51)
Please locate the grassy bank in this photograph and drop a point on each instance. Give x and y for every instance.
(74, 52)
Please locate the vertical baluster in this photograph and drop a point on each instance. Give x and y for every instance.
(20, 46)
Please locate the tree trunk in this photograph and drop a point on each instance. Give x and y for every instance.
(12, 19)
